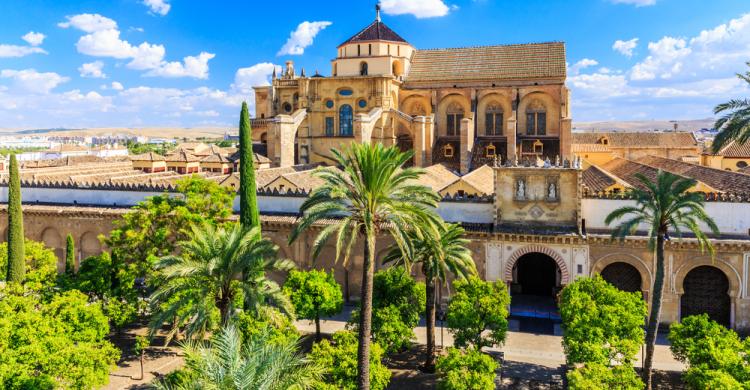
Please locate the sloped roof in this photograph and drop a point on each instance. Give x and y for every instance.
(503, 62)
(594, 179)
(437, 177)
(181, 156)
(726, 181)
(651, 139)
(150, 156)
(736, 150)
(376, 31)
(257, 158)
(626, 171)
(482, 178)
(216, 158)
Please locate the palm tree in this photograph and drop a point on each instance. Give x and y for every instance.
(214, 267)
(734, 125)
(371, 195)
(442, 252)
(662, 206)
(257, 364)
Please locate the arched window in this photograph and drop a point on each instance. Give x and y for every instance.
(493, 120)
(536, 118)
(363, 68)
(454, 115)
(346, 120)
(741, 164)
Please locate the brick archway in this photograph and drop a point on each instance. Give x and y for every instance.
(564, 274)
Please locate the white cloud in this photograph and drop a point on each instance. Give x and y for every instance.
(625, 47)
(302, 37)
(637, 3)
(254, 76)
(34, 38)
(117, 86)
(665, 59)
(103, 40)
(19, 51)
(582, 64)
(196, 67)
(89, 23)
(418, 8)
(160, 7)
(29, 80)
(92, 70)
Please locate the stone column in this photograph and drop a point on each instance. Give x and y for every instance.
(467, 144)
(273, 143)
(284, 140)
(510, 136)
(419, 129)
(566, 138)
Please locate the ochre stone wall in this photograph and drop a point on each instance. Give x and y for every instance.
(495, 254)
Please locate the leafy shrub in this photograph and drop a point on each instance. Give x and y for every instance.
(60, 344)
(273, 326)
(41, 266)
(466, 370)
(397, 302)
(314, 294)
(340, 361)
(477, 313)
(716, 356)
(600, 376)
(600, 322)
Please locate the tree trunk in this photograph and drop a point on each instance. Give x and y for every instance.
(653, 320)
(224, 303)
(365, 315)
(141, 365)
(317, 327)
(429, 363)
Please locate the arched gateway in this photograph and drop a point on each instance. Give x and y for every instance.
(706, 291)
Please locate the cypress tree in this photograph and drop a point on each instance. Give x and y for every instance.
(70, 255)
(16, 253)
(249, 214)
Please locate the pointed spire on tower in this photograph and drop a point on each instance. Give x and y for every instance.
(273, 76)
(377, 12)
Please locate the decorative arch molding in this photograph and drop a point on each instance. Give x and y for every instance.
(511, 262)
(735, 281)
(414, 104)
(646, 277)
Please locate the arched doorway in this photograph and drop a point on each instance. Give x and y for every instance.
(623, 276)
(706, 291)
(536, 282)
(405, 144)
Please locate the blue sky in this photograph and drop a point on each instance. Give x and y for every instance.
(131, 63)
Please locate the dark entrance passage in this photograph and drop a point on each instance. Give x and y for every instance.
(536, 281)
(623, 276)
(706, 291)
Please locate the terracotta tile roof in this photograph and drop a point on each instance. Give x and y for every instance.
(181, 156)
(68, 148)
(626, 171)
(590, 148)
(257, 158)
(735, 149)
(376, 31)
(594, 179)
(653, 139)
(482, 178)
(216, 158)
(505, 62)
(725, 181)
(150, 156)
(437, 177)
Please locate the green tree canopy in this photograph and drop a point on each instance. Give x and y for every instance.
(468, 369)
(314, 294)
(70, 255)
(339, 358)
(601, 324)
(478, 313)
(600, 376)
(734, 124)
(249, 212)
(397, 300)
(231, 363)
(15, 271)
(213, 268)
(716, 356)
(40, 266)
(60, 344)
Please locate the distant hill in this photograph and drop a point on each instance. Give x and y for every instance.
(167, 132)
(682, 125)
